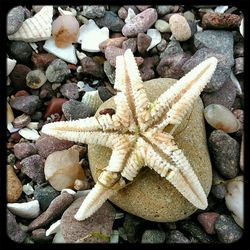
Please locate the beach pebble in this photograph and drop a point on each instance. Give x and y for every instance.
(218, 187)
(27, 210)
(227, 230)
(172, 48)
(54, 106)
(42, 60)
(147, 68)
(92, 100)
(18, 76)
(222, 71)
(140, 23)
(179, 27)
(130, 44)
(171, 66)
(70, 90)
(143, 42)
(93, 11)
(54, 211)
(207, 220)
(21, 121)
(225, 152)
(21, 51)
(33, 167)
(155, 37)
(57, 71)
(39, 236)
(219, 40)
(153, 236)
(13, 185)
(14, 231)
(162, 45)
(189, 15)
(29, 134)
(239, 65)
(111, 21)
(224, 96)
(111, 53)
(45, 193)
(24, 149)
(162, 26)
(62, 168)
(234, 200)
(116, 42)
(35, 79)
(175, 236)
(164, 9)
(104, 93)
(15, 19)
(220, 21)
(222, 118)
(91, 67)
(26, 104)
(95, 229)
(48, 144)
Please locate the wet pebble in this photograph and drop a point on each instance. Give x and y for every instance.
(54, 211)
(130, 44)
(48, 144)
(171, 66)
(26, 104)
(162, 26)
(42, 60)
(33, 167)
(70, 90)
(14, 231)
(111, 21)
(13, 185)
(175, 236)
(57, 71)
(15, 19)
(95, 229)
(92, 67)
(45, 194)
(24, 149)
(225, 152)
(220, 21)
(104, 93)
(54, 106)
(153, 236)
(93, 11)
(207, 220)
(172, 48)
(21, 51)
(18, 76)
(227, 230)
(140, 23)
(116, 42)
(143, 42)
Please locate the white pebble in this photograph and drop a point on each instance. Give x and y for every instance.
(27, 210)
(28, 189)
(54, 228)
(29, 134)
(156, 38)
(34, 47)
(80, 55)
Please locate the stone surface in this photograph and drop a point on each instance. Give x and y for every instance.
(95, 229)
(150, 196)
(143, 42)
(93, 11)
(54, 106)
(15, 19)
(207, 220)
(226, 153)
(164, 9)
(147, 68)
(48, 144)
(239, 65)
(42, 60)
(74, 110)
(39, 236)
(117, 42)
(175, 236)
(70, 90)
(111, 53)
(162, 26)
(21, 51)
(130, 44)
(54, 211)
(153, 236)
(92, 67)
(18, 76)
(219, 40)
(33, 167)
(227, 230)
(26, 104)
(173, 47)
(104, 93)
(24, 149)
(13, 185)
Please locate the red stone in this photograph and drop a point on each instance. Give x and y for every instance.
(54, 106)
(207, 220)
(21, 93)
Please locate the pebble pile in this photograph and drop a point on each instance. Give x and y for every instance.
(64, 70)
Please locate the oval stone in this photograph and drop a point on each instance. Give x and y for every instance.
(150, 196)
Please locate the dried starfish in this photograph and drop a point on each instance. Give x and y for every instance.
(136, 134)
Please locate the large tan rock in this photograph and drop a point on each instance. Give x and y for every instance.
(14, 185)
(151, 196)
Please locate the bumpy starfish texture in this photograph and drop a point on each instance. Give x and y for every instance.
(135, 133)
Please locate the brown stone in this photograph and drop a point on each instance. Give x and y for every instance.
(42, 60)
(150, 196)
(55, 106)
(14, 185)
(117, 42)
(18, 76)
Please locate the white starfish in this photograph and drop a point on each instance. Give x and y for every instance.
(135, 133)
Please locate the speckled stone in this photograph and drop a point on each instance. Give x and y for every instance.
(175, 236)
(153, 236)
(93, 11)
(13, 185)
(150, 196)
(70, 90)
(15, 19)
(24, 149)
(100, 224)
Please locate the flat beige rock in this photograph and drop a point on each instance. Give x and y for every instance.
(151, 196)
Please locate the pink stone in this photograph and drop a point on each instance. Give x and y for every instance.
(207, 220)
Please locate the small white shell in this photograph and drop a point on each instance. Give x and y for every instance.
(68, 190)
(67, 54)
(130, 15)
(28, 210)
(36, 28)
(66, 12)
(10, 115)
(221, 9)
(90, 36)
(28, 189)
(156, 37)
(92, 100)
(29, 134)
(54, 228)
(11, 63)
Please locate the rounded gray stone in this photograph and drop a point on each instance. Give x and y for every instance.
(153, 236)
(15, 19)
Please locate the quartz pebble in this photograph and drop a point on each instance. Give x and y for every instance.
(70, 90)
(13, 185)
(234, 199)
(21, 121)
(179, 27)
(207, 220)
(62, 168)
(15, 19)
(222, 118)
(93, 11)
(65, 30)
(24, 149)
(35, 79)
(28, 189)
(162, 26)
(153, 236)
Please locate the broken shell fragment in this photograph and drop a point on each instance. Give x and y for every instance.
(92, 100)
(11, 63)
(35, 79)
(156, 37)
(36, 28)
(222, 118)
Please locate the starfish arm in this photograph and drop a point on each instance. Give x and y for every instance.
(178, 171)
(173, 105)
